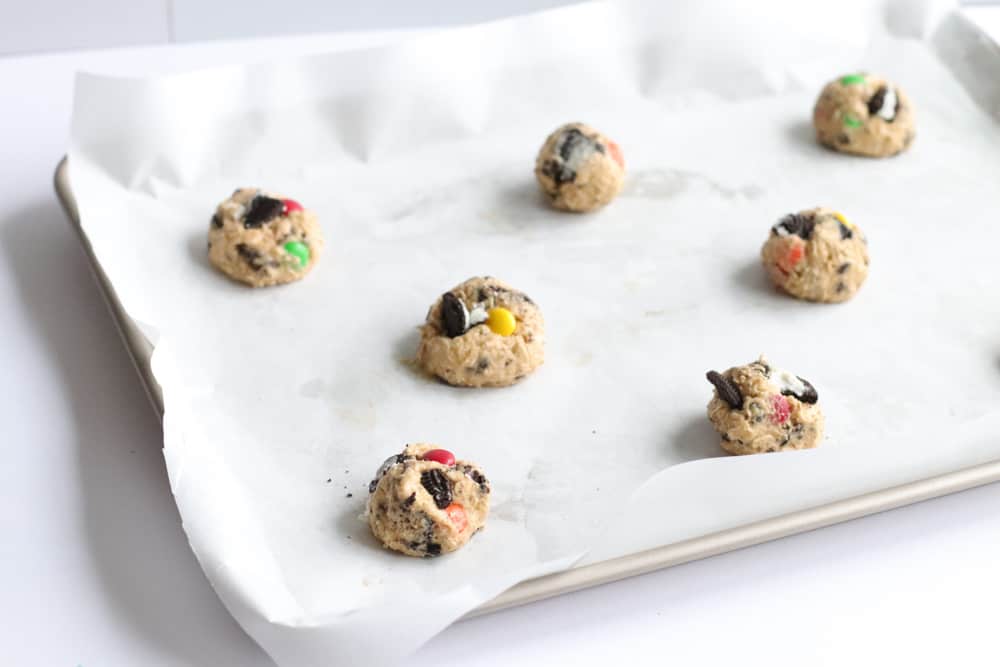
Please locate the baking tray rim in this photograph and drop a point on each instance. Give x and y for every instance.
(586, 576)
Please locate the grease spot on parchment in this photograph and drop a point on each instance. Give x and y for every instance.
(405, 353)
(422, 204)
(676, 310)
(313, 388)
(516, 206)
(511, 510)
(363, 416)
(667, 183)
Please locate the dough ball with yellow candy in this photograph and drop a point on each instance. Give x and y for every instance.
(482, 333)
(816, 255)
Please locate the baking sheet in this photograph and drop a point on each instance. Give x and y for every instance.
(420, 171)
(596, 571)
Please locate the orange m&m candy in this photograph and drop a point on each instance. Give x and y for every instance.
(457, 515)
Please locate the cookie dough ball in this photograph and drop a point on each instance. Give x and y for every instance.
(482, 333)
(864, 114)
(816, 255)
(261, 239)
(579, 168)
(424, 503)
(758, 408)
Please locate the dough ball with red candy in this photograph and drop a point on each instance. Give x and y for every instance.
(579, 169)
(260, 238)
(816, 255)
(760, 408)
(424, 502)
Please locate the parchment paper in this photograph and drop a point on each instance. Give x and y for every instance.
(282, 402)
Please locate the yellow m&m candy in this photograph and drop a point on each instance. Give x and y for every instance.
(501, 321)
(844, 221)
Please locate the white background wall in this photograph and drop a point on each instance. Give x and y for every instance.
(53, 25)
(31, 26)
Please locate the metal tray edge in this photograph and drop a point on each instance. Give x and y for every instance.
(578, 578)
(136, 344)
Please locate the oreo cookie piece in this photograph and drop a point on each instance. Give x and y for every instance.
(438, 485)
(454, 315)
(796, 224)
(884, 103)
(477, 477)
(383, 469)
(876, 101)
(806, 393)
(262, 210)
(572, 146)
(574, 142)
(250, 256)
(845, 231)
(728, 391)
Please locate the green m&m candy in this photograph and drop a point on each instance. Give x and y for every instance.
(852, 79)
(299, 251)
(851, 121)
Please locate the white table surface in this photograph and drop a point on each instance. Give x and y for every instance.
(95, 569)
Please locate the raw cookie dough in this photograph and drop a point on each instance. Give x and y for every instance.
(579, 168)
(816, 255)
(424, 503)
(864, 114)
(758, 408)
(482, 333)
(259, 238)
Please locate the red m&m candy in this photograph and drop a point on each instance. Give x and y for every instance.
(781, 409)
(616, 154)
(291, 205)
(456, 513)
(796, 252)
(442, 456)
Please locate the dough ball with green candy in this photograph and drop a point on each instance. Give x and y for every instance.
(423, 502)
(864, 114)
(758, 408)
(579, 169)
(482, 333)
(816, 255)
(260, 238)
